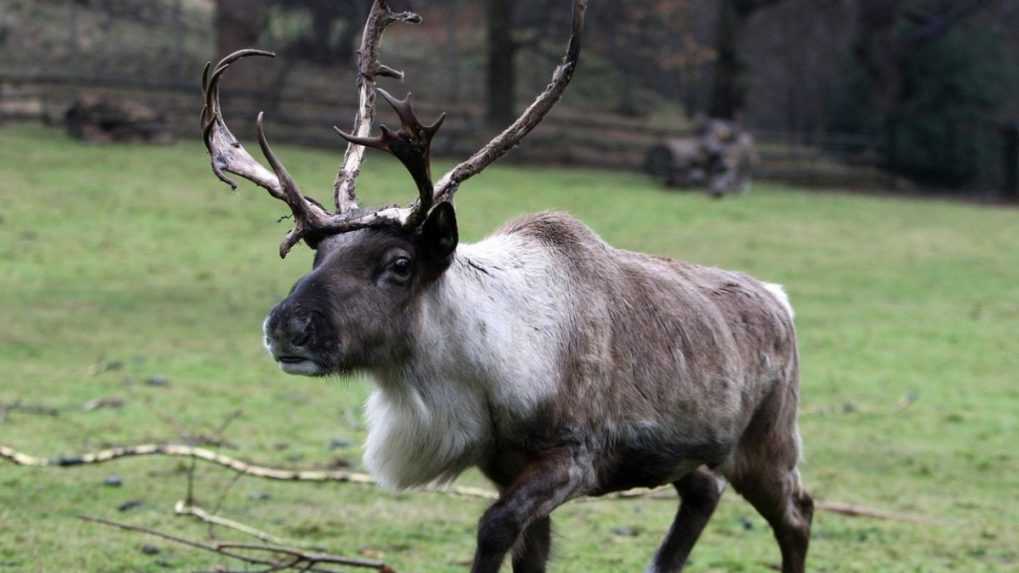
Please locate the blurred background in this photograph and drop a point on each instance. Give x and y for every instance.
(913, 95)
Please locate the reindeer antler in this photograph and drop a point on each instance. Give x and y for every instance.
(411, 144)
(528, 120)
(226, 152)
(312, 221)
(494, 149)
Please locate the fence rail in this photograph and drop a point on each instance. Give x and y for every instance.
(566, 137)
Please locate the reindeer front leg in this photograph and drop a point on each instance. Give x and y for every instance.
(545, 483)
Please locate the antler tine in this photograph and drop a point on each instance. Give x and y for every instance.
(531, 117)
(309, 216)
(368, 67)
(414, 151)
(297, 202)
(376, 142)
(229, 156)
(226, 152)
(404, 108)
(411, 145)
(210, 86)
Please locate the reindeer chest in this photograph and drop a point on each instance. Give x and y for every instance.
(419, 436)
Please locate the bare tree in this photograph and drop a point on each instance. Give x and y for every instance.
(729, 85)
(643, 42)
(239, 24)
(331, 37)
(502, 51)
(512, 26)
(881, 46)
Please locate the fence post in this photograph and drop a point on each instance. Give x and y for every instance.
(72, 30)
(1011, 160)
(177, 16)
(453, 51)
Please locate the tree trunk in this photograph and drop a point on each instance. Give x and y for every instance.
(239, 23)
(352, 31)
(502, 49)
(882, 46)
(728, 88)
(876, 51)
(453, 53)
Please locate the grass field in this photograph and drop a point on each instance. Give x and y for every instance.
(119, 264)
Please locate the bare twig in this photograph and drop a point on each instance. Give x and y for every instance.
(187, 509)
(847, 509)
(214, 437)
(222, 499)
(244, 468)
(852, 510)
(190, 493)
(226, 490)
(202, 454)
(230, 419)
(663, 492)
(285, 557)
(172, 539)
(19, 406)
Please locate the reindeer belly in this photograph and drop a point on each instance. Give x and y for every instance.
(649, 455)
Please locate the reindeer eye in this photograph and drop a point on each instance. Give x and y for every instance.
(401, 267)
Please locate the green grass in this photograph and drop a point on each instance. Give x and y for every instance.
(137, 257)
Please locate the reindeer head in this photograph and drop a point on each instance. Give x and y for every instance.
(354, 309)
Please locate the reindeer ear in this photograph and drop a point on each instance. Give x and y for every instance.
(439, 235)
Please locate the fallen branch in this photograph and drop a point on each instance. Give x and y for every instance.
(860, 511)
(176, 450)
(202, 454)
(19, 406)
(287, 558)
(186, 509)
(342, 476)
(661, 492)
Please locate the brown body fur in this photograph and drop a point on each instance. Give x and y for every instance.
(668, 367)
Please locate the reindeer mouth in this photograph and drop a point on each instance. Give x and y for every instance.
(300, 365)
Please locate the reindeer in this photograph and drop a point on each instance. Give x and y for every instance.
(560, 366)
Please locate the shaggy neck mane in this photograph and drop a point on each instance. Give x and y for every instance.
(476, 350)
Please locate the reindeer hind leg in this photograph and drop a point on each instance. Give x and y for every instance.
(530, 554)
(787, 507)
(764, 472)
(699, 491)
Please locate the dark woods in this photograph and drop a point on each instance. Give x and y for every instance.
(916, 87)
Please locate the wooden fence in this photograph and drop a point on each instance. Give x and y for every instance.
(567, 137)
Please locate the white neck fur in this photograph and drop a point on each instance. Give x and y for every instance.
(486, 340)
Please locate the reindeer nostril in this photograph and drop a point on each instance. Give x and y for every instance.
(301, 331)
(300, 338)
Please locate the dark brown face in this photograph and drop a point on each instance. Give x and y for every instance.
(353, 311)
